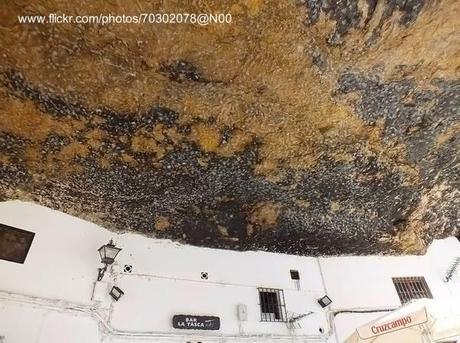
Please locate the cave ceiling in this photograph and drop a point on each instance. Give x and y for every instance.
(309, 127)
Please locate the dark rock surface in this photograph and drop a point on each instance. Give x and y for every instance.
(317, 128)
(347, 15)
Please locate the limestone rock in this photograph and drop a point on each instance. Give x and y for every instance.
(314, 127)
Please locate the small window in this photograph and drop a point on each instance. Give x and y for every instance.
(295, 275)
(272, 305)
(409, 288)
(14, 243)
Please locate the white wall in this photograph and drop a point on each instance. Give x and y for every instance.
(24, 323)
(168, 277)
(365, 283)
(52, 290)
(62, 261)
(371, 276)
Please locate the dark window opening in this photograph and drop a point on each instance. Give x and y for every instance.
(272, 305)
(295, 275)
(409, 288)
(14, 243)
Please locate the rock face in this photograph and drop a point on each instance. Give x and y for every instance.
(313, 127)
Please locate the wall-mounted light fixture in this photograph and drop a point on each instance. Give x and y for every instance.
(108, 253)
(116, 293)
(324, 301)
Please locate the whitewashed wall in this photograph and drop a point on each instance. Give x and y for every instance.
(166, 280)
(51, 292)
(361, 283)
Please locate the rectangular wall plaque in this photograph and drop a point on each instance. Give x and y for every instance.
(14, 243)
(192, 322)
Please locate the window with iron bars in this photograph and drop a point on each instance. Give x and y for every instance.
(409, 288)
(272, 305)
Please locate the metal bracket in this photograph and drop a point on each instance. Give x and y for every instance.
(100, 274)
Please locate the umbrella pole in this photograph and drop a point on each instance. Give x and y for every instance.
(426, 337)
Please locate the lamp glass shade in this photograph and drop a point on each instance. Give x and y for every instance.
(108, 253)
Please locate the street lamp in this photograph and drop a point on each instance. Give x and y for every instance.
(108, 253)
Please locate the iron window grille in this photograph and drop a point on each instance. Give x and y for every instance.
(272, 305)
(409, 288)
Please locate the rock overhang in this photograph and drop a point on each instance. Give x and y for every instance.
(314, 128)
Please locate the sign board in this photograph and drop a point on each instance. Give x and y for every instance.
(192, 322)
(378, 328)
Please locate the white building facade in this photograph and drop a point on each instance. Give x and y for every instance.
(212, 295)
